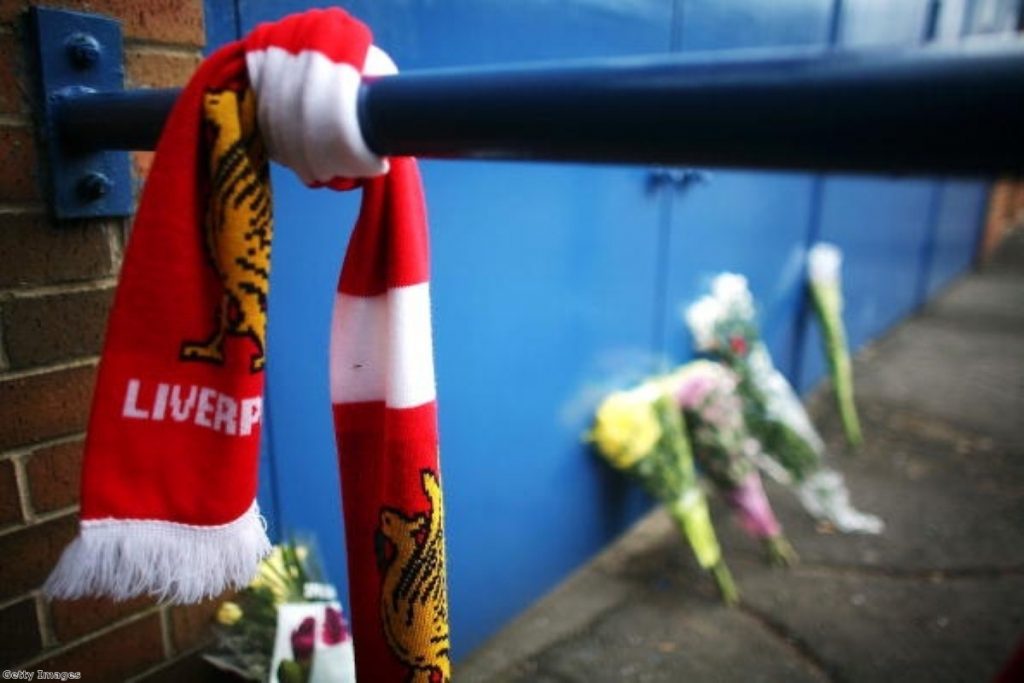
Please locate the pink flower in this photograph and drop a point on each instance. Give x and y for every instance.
(694, 390)
(753, 509)
(335, 629)
(304, 639)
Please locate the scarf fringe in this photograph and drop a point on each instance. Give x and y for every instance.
(176, 563)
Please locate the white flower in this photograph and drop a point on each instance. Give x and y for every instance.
(702, 316)
(732, 292)
(824, 261)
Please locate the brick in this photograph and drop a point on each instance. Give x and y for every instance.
(192, 668)
(54, 476)
(19, 172)
(33, 251)
(141, 163)
(191, 624)
(19, 632)
(45, 406)
(162, 21)
(14, 91)
(10, 499)
(30, 553)
(73, 619)
(115, 655)
(39, 330)
(159, 68)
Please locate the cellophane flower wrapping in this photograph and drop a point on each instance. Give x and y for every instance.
(642, 433)
(724, 325)
(286, 626)
(824, 266)
(706, 391)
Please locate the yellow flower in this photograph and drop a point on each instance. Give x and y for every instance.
(626, 427)
(229, 613)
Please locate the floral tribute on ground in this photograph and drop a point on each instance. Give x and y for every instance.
(824, 263)
(643, 433)
(286, 626)
(724, 326)
(706, 391)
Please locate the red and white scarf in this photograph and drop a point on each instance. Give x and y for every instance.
(170, 471)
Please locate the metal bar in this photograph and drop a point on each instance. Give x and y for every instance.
(125, 119)
(948, 110)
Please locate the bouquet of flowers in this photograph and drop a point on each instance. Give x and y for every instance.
(824, 262)
(724, 325)
(643, 433)
(286, 626)
(707, 393)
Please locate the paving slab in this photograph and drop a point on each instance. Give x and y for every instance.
(952, 500)
(879, 628)
(669, 637)
(965, 376)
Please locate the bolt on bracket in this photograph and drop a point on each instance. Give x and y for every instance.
(79, 53)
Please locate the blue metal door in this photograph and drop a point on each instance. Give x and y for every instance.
(747, 222)
(545, 288)
(881, 223)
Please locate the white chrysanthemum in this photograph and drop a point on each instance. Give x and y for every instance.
(702, 316)
(732, 292)
(824, 261)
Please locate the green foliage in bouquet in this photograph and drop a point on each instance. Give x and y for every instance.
(724, 325)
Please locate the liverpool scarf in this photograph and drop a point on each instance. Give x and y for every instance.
(169, 483)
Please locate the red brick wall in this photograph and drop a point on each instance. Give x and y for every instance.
(56, 283)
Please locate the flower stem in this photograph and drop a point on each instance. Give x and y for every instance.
(780, 552)
(726, 585)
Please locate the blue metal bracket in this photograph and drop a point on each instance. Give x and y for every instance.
(80, 53)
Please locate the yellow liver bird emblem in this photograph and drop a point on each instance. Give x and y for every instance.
(414, 594)
(239, 226)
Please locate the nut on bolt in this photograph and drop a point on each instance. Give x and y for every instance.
(94, 186)
(83, 50)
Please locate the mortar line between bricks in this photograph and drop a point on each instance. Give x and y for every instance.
(47, 369)
(23, 208)
(152, 47)
(41, 519)
(793, 643)
(21, 484)
(28, 449)
(92, 635)
(4, 604)
(21, 293)
(165, 632)
(141, 41)
(48, 636)
(115, 243)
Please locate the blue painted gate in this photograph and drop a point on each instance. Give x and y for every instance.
(555, 283)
